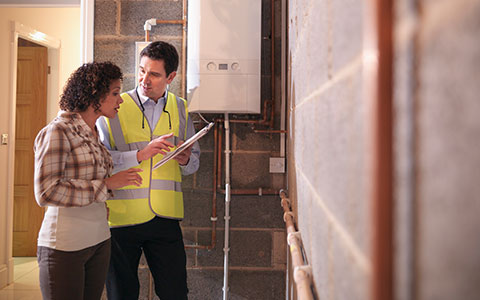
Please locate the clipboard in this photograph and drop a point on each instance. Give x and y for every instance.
(185, 145)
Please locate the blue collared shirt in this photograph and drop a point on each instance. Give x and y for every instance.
(153, 111)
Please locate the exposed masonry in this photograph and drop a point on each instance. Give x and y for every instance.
(258, 245)
(331, 207)
(436, 147)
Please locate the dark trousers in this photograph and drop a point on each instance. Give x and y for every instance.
(162, 243)
(73, 275)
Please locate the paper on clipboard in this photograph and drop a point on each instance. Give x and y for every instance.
(183, 146)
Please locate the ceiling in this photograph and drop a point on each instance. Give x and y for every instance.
(40, 2)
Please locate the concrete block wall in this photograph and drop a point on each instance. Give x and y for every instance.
(257, 237)
(436, 140)
(437, 107)
(328, 144)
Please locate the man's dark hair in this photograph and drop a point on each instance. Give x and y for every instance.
(88, 85)
(162, 51)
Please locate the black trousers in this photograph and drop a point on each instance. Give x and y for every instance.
(162, 242)
(73, 275)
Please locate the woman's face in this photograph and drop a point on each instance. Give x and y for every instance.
(111, 103)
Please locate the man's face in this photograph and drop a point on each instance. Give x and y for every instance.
(153, 78)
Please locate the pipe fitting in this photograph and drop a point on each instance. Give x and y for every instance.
(294, 237)
(149, 23)
(287, 213)
(301, 273)
(287, 202)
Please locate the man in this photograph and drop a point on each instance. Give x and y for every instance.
(150, 121)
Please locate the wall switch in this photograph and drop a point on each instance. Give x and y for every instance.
(277, 164)
(4, 138)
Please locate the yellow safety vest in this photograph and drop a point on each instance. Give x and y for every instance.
(160, 193)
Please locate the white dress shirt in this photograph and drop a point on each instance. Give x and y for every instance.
(153, 111)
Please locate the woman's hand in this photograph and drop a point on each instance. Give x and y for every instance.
(124, 178)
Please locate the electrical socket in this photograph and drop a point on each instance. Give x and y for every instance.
(277, 164)
(4, 138)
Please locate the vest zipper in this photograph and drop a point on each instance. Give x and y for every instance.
(151, 176)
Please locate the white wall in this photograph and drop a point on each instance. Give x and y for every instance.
(62, 24)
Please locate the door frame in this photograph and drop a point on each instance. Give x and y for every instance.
(18, 30)
(53, 46)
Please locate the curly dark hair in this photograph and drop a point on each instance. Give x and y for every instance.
(160, 50)
(88, 85)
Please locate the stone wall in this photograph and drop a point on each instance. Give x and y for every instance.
(257, 237)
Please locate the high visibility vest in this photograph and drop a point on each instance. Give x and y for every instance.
(160, 193)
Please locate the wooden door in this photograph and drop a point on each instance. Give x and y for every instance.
(31, 113)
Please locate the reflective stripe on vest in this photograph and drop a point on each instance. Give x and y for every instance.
(160, 193)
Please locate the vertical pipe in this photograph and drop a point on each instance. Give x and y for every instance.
(413, 103)
(283, 11)
(214, 187)
(272, 16)
(287, 275)
(184, 46)
(378, 54)
(226, 248)
(219, 157)
(87, 15)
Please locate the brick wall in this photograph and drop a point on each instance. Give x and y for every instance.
(257, 238)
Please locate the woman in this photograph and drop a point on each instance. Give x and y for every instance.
(73, 179)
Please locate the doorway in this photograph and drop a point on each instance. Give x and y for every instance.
(31, 111)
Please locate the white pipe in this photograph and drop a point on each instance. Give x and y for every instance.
(283, 11)
(288, 289)
(87, 11)
(226, 248)
(149, 23)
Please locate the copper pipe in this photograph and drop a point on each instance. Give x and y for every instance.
(182, 22)
(218, 136)
(290, 225)
(170, 21)
(264, 191)
(214, 190)
(272, 112)
(184, 47)
(302, 272)
(379, 45)
(262, 121)
(259, 191)
(269, 131)
(214, 198)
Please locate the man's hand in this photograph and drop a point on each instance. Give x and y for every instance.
(124, 178)
(183, 157)
(159, 145)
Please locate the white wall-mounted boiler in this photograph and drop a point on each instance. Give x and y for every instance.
(223, 56)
